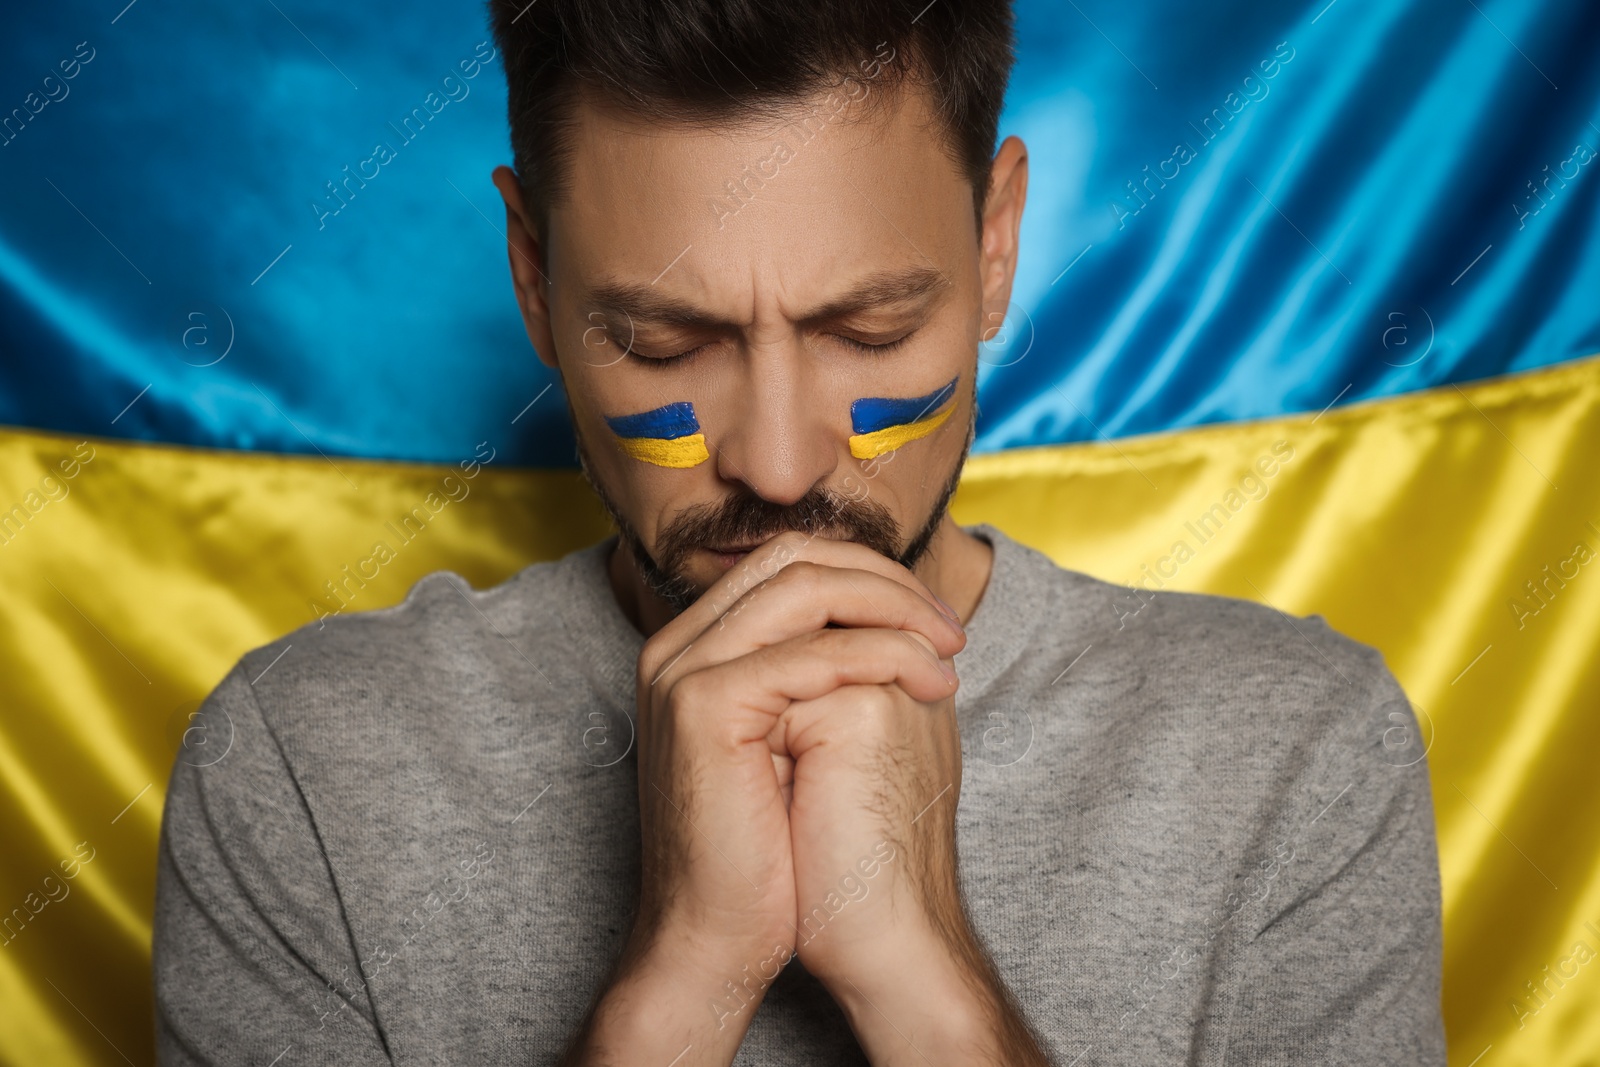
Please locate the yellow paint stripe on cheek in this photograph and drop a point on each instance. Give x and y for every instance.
(872, 445)
(678, 452)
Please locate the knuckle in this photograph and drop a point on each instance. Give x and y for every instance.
(694, 713)
(723, 733)
(683, 696)
(801, 578)
(776, 554)
(656, 657)
(649, 661)
(789, 543)
(877, 701)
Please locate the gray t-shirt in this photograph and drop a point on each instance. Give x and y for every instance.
(1192, 829)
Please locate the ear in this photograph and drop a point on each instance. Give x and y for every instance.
(528, 278)
(1002, 224)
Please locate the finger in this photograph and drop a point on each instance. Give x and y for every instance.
(838, 719)
(769, 679)
(807, 596)
(783, 766)
(760, 564)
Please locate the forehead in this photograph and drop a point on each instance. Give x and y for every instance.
(774, 215)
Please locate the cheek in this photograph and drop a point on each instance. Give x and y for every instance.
(905, 482)
(646, 495)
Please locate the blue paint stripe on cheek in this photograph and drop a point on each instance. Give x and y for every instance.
(871, 414)
(666, 423)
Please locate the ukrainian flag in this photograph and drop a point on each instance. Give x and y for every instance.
(1306, 313)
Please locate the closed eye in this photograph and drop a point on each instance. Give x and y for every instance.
(863, 346)
(658, 362)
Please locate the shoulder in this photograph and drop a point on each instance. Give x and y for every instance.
(1232, 722)
(435, 616)
(1197, 635)
(1212, 672)
(1213, 636)
(443, 635)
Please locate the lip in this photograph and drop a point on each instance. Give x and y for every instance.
(727, 557)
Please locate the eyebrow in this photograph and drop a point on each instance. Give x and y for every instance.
(883, 288)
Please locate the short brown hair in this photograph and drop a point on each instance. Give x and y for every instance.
(703, 62)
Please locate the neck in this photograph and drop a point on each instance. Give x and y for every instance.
(955, 569)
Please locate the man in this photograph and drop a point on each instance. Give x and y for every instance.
(794, 769)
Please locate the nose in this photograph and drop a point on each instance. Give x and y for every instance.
(777, 440)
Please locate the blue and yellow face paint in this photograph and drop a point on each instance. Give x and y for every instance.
(668, 436)
(883, 424)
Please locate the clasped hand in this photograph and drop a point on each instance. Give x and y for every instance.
(795, 721)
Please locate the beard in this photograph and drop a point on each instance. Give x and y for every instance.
(745, 518)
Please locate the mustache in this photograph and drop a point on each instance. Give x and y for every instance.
(747, 519)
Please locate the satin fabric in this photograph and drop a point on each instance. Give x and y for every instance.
(1415, 525)
(1358, 223)
(124, 602)
(1411, 524)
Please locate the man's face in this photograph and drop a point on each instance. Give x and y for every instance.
(732, 282)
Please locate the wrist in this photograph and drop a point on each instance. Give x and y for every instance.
(879, 974)
(924, 1001)
(671, 991)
